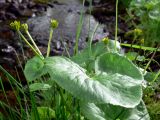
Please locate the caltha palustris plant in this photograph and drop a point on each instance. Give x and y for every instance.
(110, 90)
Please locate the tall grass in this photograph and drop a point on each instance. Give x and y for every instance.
(79, 29)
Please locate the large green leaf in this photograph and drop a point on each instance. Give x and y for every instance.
(86, 59)
(121, 89)
(109, 112)
(116, 63)
(124, 77)
(34, 68)
(110, 88)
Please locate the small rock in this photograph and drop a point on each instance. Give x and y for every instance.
(27, 13)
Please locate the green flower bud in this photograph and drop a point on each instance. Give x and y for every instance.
(138, 32)
(24, 26)
(105, 40)
(16, 25)
(142, 41)
(54, 23)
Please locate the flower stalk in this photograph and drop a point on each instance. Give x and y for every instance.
(26, 41)
(116, 27)
(54, 24)
(16, 25)
(25, 27)
(49, 42)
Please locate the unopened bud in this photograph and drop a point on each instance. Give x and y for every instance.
(138, 31)
(24, 26)
(105, 40)
(16, 25)
(54, 23)
(142, 41)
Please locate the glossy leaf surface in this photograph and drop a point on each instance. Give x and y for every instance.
(110, 112)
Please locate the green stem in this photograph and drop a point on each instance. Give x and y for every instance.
(89, 19)
(49, 42)
(90, 41)
(34, 44)
(116, 28)
(29, 44)
(134, 39)
(157, 75)
(150, 60)
(140, 47)
(78, 32)
(66, 49)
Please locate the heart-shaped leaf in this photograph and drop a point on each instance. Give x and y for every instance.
(116, 89)
(34, 68)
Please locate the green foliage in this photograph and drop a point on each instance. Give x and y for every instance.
(135, 56)
(107, 84)
(148, 12)
(39, 86)
(154, 110)
(151, 95)
(75, 80)
(86, 59)
(114, 63)
(110, 112)
(125, 2)
(45, 113)
(36, 64)
(1, 116)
